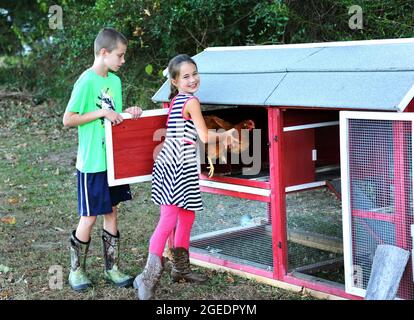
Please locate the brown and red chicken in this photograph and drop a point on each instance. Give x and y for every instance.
(220, 152)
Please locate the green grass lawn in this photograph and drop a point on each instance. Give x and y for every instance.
(38, 208)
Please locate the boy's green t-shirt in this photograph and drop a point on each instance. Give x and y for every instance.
(92, 92)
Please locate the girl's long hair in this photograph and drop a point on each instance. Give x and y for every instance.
(174, 70)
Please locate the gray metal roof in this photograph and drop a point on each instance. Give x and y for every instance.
(375, 75)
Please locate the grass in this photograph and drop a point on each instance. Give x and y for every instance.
(38, 193)
(315, 210)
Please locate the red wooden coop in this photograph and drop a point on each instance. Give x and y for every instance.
(328, 174)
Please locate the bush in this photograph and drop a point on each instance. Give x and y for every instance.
(158, 30)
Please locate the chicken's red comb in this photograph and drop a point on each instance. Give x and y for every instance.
(251, 124)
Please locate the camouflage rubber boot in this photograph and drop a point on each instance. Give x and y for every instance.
(78, 252)
(181, 270)
(111, 255)
(146, 282)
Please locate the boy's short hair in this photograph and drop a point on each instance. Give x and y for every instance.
(108, 38)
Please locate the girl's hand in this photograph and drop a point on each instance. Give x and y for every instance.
(113, 116)
(231, 139)
(134, 111)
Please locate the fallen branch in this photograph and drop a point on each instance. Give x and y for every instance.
(17, 95)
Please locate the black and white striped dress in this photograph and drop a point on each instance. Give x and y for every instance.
(175, 172)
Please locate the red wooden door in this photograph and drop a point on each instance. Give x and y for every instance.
(132, 146)
(298, 163)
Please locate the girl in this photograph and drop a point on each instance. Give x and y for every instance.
(175, 185)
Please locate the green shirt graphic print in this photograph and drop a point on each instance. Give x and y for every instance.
(92, 92)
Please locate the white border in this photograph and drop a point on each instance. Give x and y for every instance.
(305, 186)
(327, 168)
(311, 125)
(344, 117)
(346, 208)
(235, 187)
(315, 45)
(407, 116)
(109, 149)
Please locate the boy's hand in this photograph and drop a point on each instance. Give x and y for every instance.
(134, 111)
(113, 116)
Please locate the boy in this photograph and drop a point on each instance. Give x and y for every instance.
(97, 95)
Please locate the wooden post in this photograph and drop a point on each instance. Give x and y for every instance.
(277, 185)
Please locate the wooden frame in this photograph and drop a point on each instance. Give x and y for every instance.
(112, 179)
(272, 192)
(345, 188)
(280, 235)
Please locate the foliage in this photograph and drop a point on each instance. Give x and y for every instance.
(157, 30)
(327, 20)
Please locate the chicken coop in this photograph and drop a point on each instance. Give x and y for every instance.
(327, 175)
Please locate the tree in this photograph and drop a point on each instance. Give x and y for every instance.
(159, 29)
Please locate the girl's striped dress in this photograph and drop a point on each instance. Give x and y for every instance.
(175, 172)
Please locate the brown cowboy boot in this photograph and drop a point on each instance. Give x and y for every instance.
(111, 255)
(181, 267)
(146, 282)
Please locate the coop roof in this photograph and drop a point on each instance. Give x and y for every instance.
(376, 75)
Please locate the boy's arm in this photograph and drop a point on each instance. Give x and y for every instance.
(73, 119)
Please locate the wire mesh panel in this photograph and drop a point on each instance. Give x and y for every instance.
(379, 194)
(234, 229)
(315, 234)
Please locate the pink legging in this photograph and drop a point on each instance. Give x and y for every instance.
(172, 217)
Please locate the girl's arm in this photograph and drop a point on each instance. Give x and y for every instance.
(193, 110)
(73, 119)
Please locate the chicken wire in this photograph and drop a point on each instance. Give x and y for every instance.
(314, 230)
(234, 229)
(380, 184)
